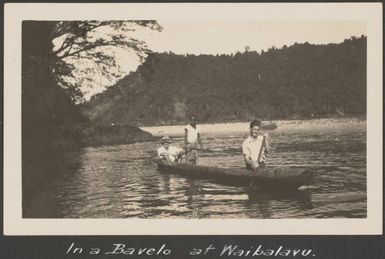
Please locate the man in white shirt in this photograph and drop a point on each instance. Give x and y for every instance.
(192, 140)
(167, 152)
(255, 147)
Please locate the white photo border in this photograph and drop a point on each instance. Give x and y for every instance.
(15, 13)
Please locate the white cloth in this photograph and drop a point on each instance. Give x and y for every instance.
(192, 133)
(172, 152)
(251, 147)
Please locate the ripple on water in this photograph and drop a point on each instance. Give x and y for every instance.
(121, 181)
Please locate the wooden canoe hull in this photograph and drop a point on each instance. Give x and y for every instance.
(288, 177)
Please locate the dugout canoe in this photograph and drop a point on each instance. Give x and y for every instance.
(286, 177)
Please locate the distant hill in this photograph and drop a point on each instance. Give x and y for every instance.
(300, 81)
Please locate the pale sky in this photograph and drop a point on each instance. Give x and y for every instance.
(226, 37)
(212, 37)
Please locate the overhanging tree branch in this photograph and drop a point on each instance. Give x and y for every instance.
(86, 40)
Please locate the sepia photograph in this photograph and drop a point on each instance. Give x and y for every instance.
(194, 119)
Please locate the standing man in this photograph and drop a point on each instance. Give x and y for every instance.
(192, 141)
(255, 147)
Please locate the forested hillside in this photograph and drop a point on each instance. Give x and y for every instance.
(300, 81)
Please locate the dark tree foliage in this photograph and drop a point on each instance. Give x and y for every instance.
(51, 73)
(300, 81)
(87, 48)
(50, 80)
(51, 120)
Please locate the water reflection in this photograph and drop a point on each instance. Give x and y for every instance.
(121, 181)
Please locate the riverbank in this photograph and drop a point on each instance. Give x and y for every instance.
(109, 135)
(327, 124)
(81, 136)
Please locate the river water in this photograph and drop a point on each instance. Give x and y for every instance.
(121, 181)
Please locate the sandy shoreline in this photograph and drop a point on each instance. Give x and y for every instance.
(330, 124)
